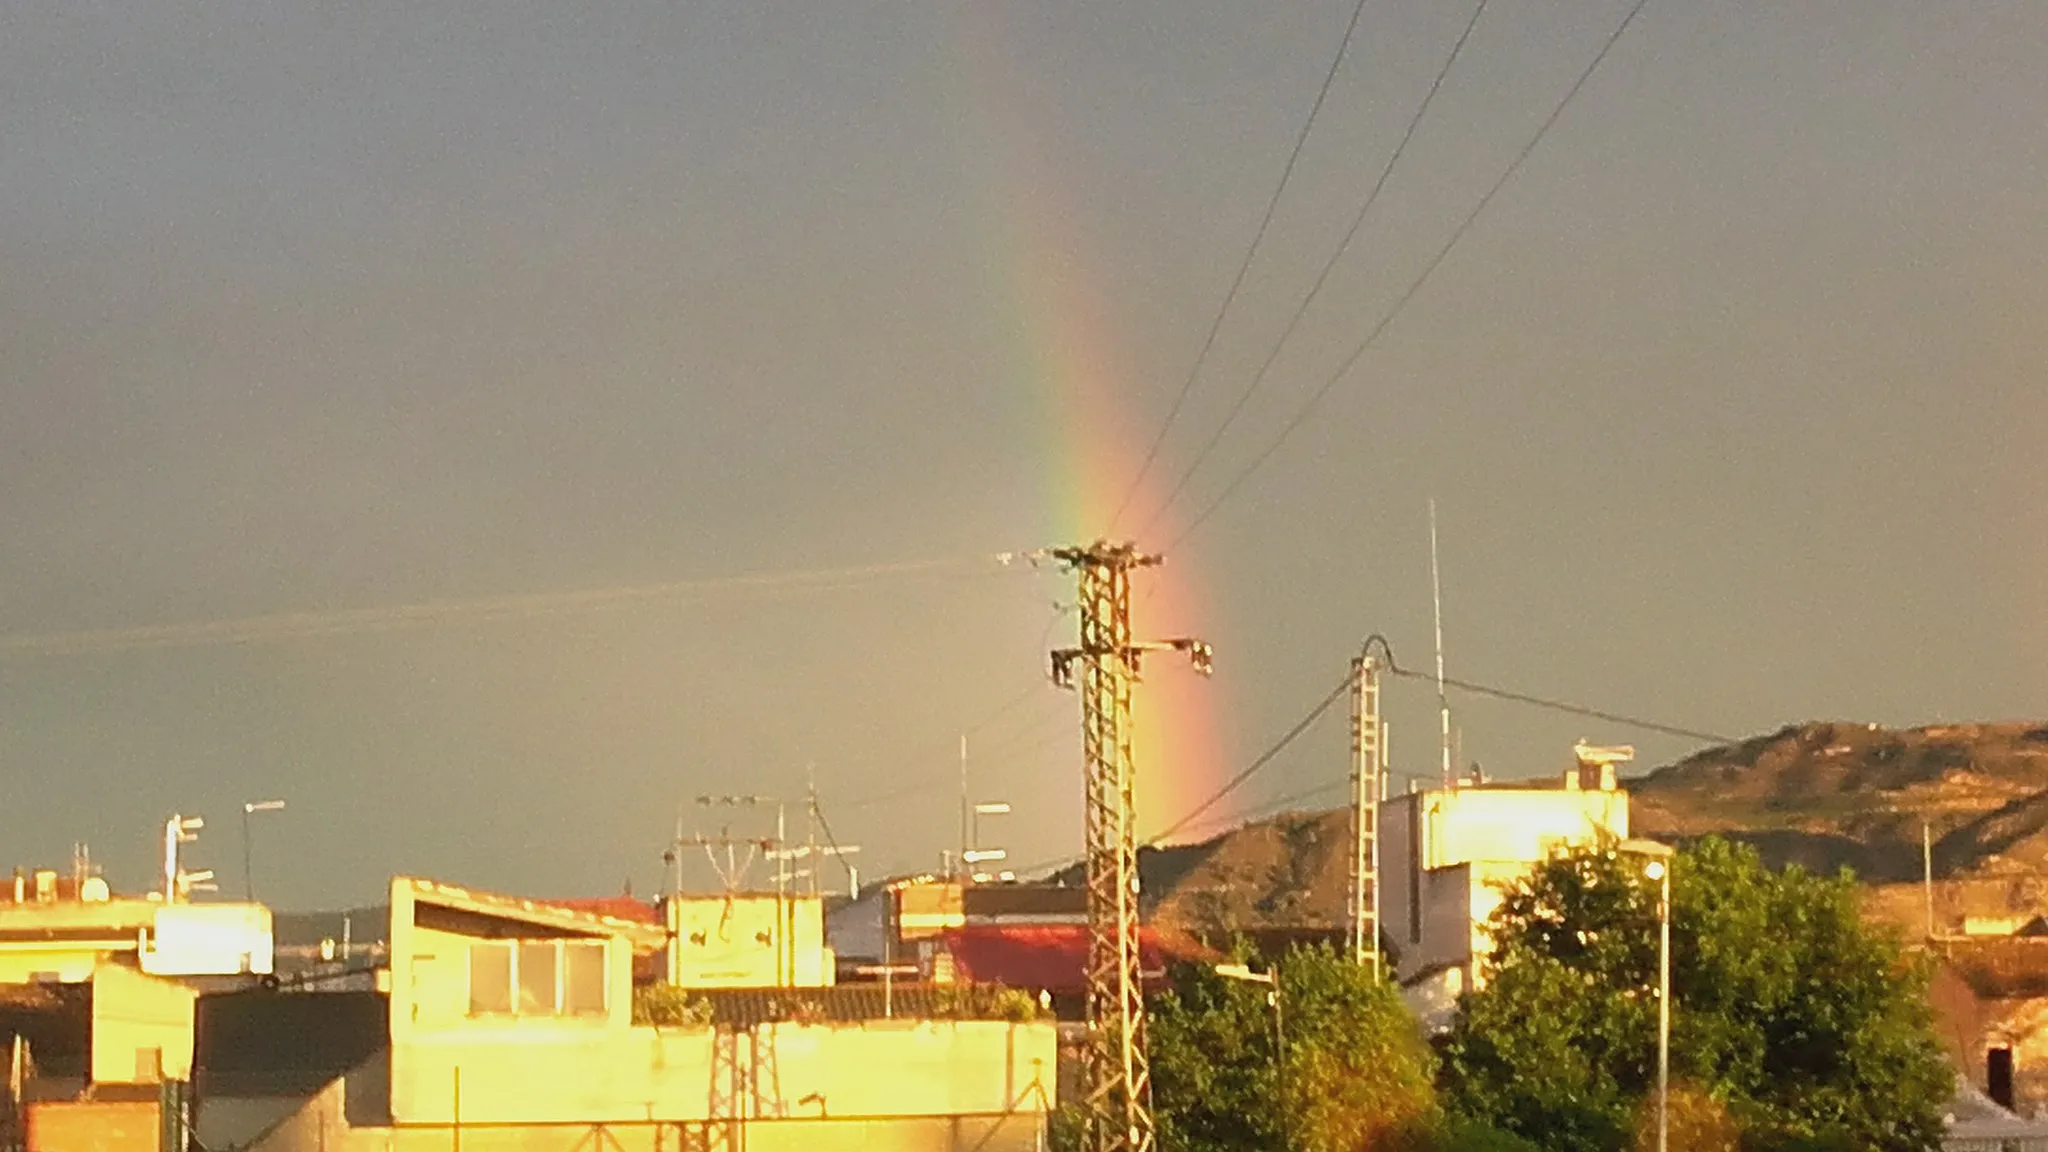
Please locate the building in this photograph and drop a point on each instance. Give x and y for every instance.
(97, 996)
(1447, 853)
(509, 1024)
(58, 929)
(747, 940)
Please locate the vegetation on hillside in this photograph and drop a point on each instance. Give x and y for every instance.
(1793, 1022)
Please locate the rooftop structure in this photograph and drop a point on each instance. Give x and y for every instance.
(1446, 854)
(512, 1022)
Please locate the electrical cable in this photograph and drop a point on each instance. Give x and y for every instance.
(1263, 759)
(1400, 304)
(1316, 713)
(832, 842)
(1567, 707)
(1202, 829)
(1244, 267)
(1329, 266)
(348, 621)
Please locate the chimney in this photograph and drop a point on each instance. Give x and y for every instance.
(20, 887)
(46, 886)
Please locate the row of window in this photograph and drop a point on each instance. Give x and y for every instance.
(537, 978)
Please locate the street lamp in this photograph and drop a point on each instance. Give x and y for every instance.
(248, 872)
(975, 854)
(1271, 979)
(1658, 867)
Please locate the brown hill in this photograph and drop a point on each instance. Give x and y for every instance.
(1831, 795)
(1285, 873)
(1821, 795)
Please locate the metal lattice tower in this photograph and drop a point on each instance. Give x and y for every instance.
(1116, 1074)
(1368, 773)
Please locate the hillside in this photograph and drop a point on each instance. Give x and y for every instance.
(1821, 795)
(1857, 795)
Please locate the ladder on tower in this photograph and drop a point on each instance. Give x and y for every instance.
(1368, 775)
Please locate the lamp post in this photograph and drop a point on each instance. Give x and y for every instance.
(1658, 867)
(248, 871)
(1271, 979)
(974, 853)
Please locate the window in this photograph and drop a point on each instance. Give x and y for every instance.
(490, 978)
(537, 977)
(583, 977)
(537, 985)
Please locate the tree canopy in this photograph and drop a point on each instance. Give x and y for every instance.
(1792, 1021)
(1356, 1073)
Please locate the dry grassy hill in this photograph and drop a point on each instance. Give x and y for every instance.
(1838, 795)
(1821, 795)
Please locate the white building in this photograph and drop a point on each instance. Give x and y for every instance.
(747, 940)
(1446, 855)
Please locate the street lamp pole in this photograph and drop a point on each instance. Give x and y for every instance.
(1271, 979)
(248, 870)
(1659, 869)
(974, 854)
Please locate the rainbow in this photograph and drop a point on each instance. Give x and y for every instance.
(1065, 357)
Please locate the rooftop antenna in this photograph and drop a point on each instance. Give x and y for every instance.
(1436, 595)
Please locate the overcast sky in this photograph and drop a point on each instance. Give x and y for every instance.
(1731, 403)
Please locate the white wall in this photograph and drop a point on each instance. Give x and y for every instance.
(1453, 850)
(210, 940)
(747, 941)
(537, 1075)
(1522, 825)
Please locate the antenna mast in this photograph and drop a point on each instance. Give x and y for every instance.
(1436, 596)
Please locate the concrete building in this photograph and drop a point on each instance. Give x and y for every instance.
(747, 940)
(1446, 854)
(55, 929)
(508, 1027)
(97, 996)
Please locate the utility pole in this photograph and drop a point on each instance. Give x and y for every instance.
(964, 868)
(1368, 765)
(811, 825)
(1116, 1074)
(1927, 873)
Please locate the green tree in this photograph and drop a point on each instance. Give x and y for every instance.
(1807, 1026)
(1356, 1072)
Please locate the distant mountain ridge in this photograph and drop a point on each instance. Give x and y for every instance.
(1824, 795)
(1831, 795)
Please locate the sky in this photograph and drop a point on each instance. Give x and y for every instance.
(490, 428)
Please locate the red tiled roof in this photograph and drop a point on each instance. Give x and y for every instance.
(1048, 957)
(630, 908)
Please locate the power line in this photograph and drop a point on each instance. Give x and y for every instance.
(1316, 713)
(1270, 808)
(1264, 758)
(1567, 707)
(1323, 706)
(349, 621)
(1008, 706)
(1007, 747)
(1244, 266)
(1330, 265)
(1401, 302)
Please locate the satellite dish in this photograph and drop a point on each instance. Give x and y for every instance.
(95, 890)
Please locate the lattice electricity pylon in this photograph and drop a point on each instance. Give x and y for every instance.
(1368, 766)
(1116, 1074)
